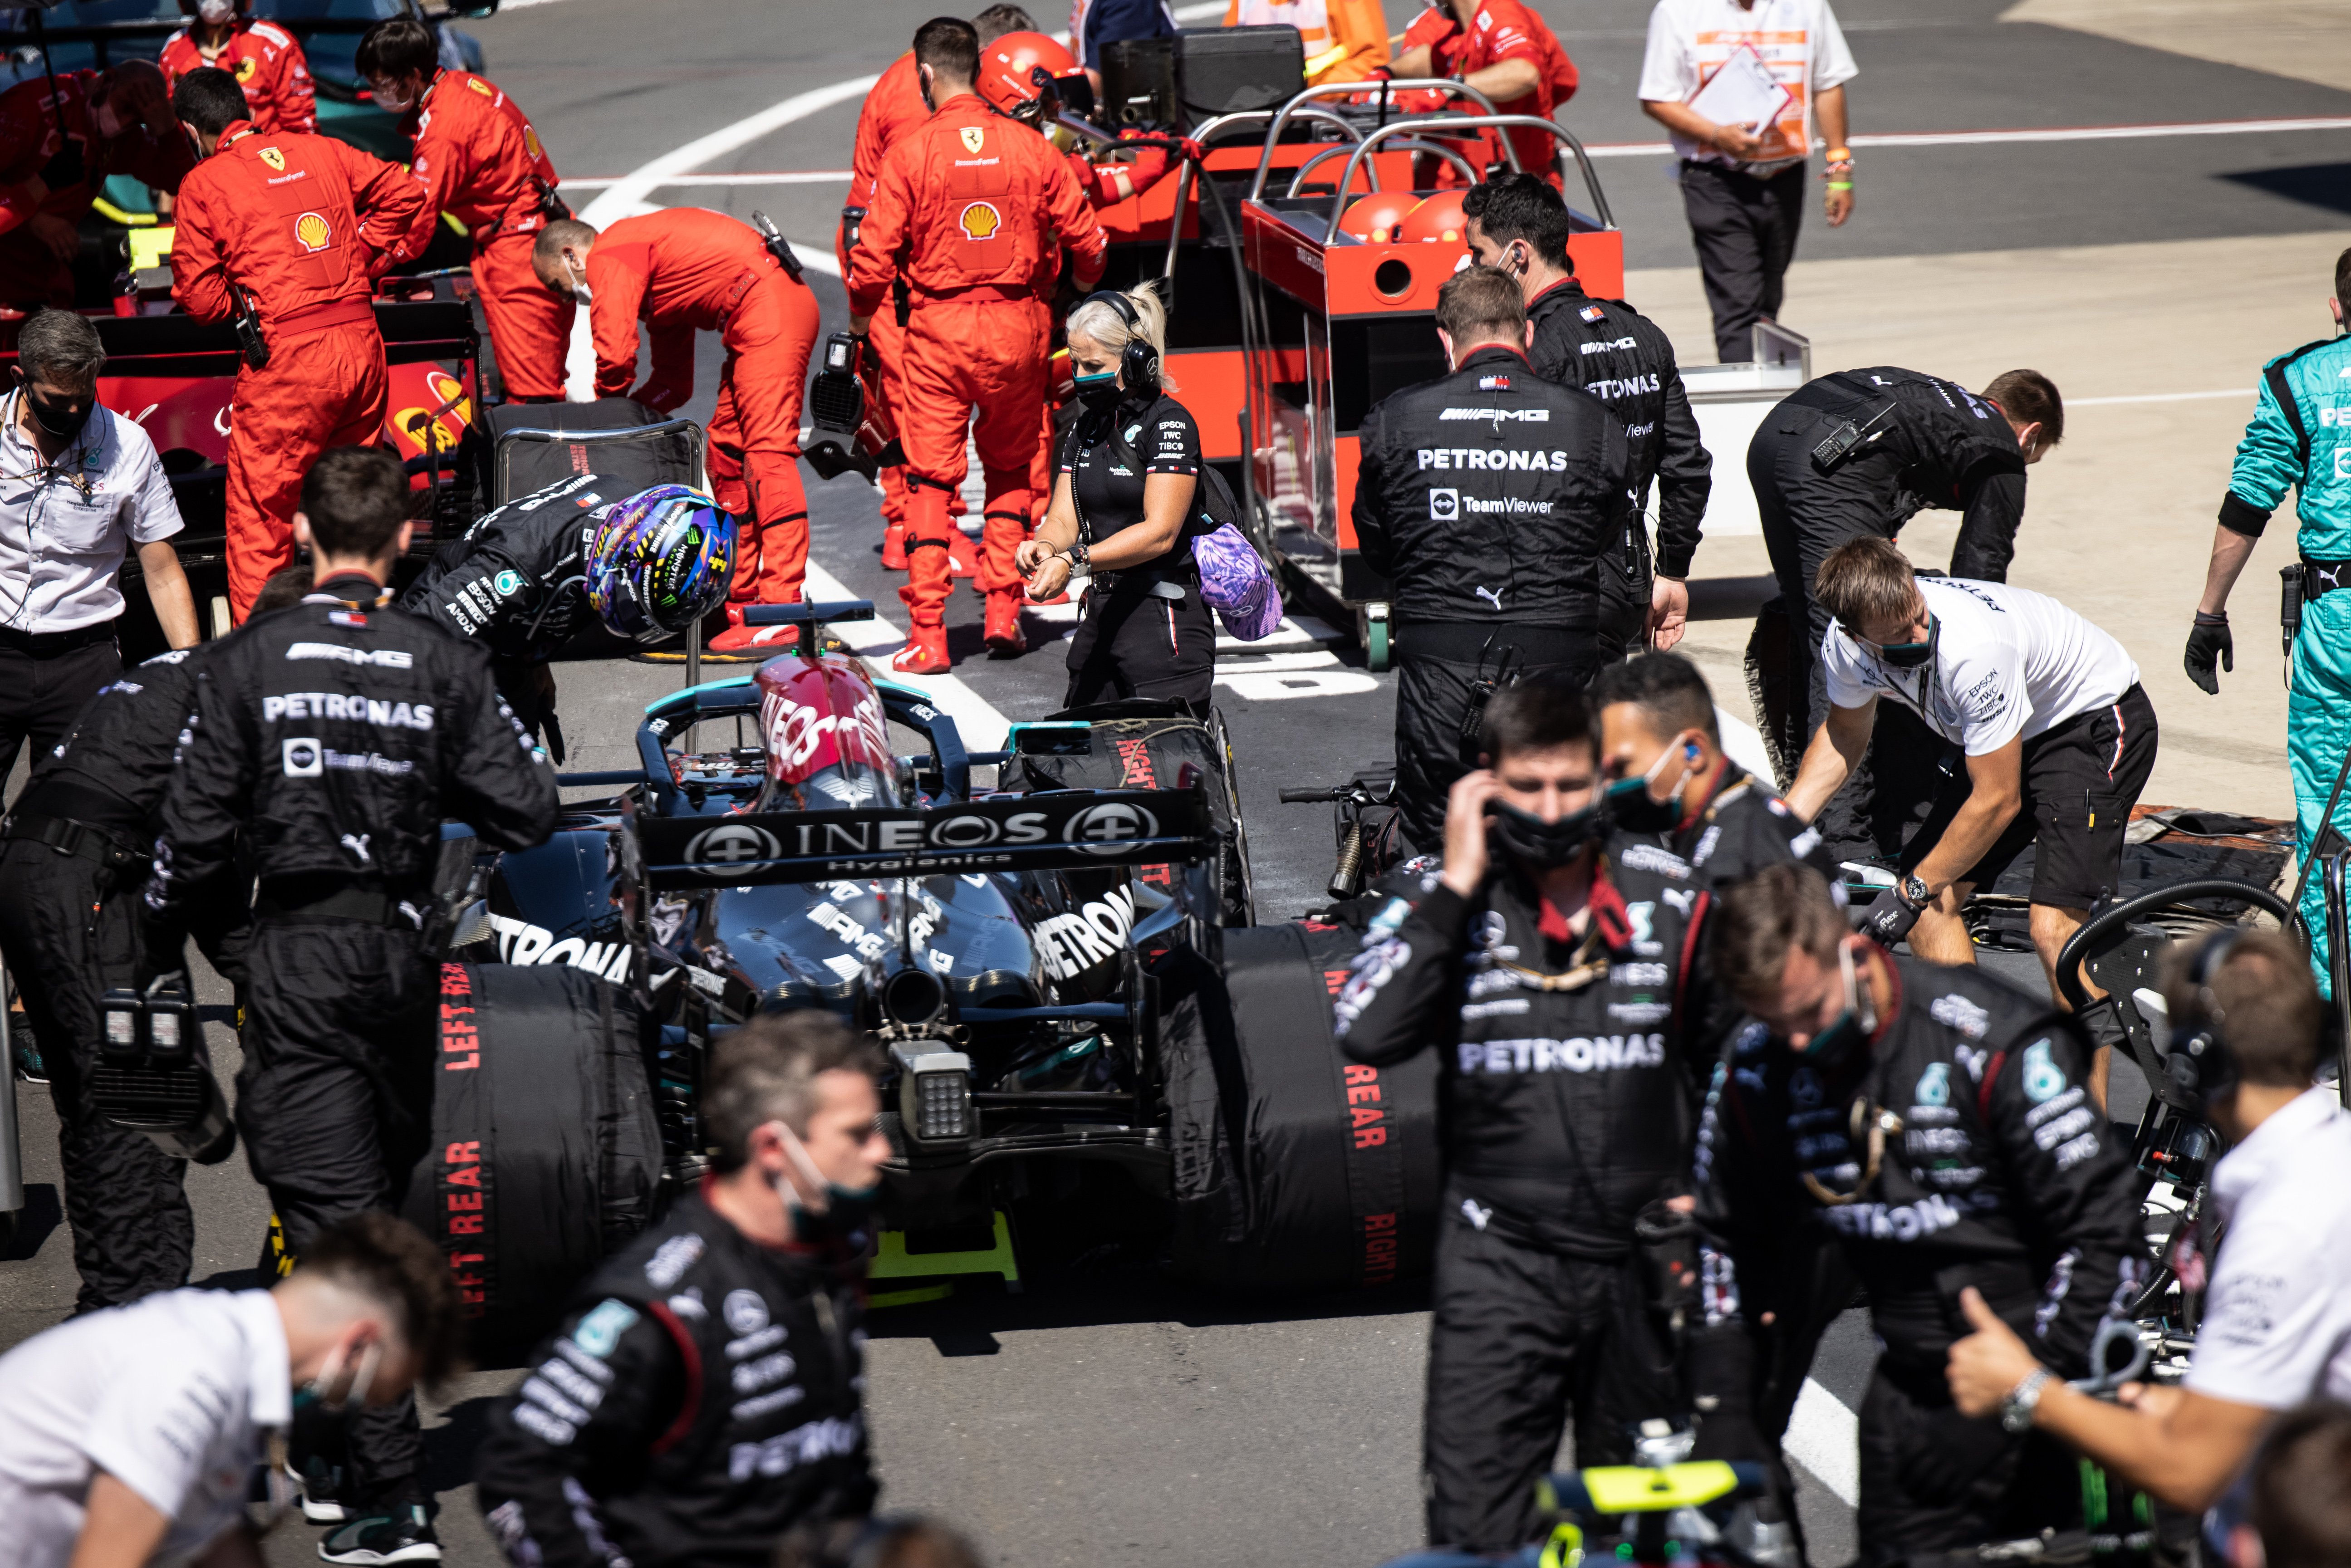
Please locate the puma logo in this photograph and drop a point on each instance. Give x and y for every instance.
(1489, 593)
(357, 844)
(2326, 574)
(1473, 1214)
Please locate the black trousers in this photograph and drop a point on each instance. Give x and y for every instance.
(1745, 230)
(1521, 1338)
(45, 681)
(335, 1103)
(1131, 645)
(1934, 1481)
(1445, 672)
(1623, 610)
(70, 929)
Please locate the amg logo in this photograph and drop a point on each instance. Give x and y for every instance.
(1529, 415)
(386, 658)
(1604, 347)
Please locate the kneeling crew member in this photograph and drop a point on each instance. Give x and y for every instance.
(479, 160)
(1517, 222)
(352, 729)
(55, 157)
(1935, 1122)
(1485, 498)
(297, 228)
(972, 211)
(2058, 734)
(562, 566)
(1127, 488)
(1523, 964)
(684, 270)
(2295, 443)
(80, 842)
(707, 1395)
(1855, 455)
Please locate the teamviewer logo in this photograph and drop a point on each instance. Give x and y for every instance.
(1444, 505)
(305, 758)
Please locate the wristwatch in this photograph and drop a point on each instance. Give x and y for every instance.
(2016, 1410)
(1076, 556)
(1915, 893)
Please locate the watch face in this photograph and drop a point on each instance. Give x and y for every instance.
(1913, 890)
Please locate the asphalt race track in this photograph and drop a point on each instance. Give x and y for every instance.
(1103, 1416)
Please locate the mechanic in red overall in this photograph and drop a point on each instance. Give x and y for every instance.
(480, 161)
(265, 59)
(300, 227)
(54, 159)
(688, 269)
(1504, 50)
(971, 211)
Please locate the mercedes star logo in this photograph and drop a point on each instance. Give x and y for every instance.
(1108, 828)
(732, 844)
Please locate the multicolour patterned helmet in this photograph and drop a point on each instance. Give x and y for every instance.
(660, 560)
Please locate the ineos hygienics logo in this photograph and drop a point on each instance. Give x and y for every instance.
(1108, 828)
(1444, 505)
(305, 758)
(732, 844)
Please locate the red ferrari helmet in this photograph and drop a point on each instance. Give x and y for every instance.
(1008, 72)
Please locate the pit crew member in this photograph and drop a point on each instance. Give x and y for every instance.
(54, 159)
(2295, 441)
(707, 1395)
(479, 160)
(1543, 963)
(1485, 497)
(1517, 223)
(1857, 454)
(1129, 482)
(688, 269)
(1936, 1123)
(351, 730)
(1504, 50)
(265, 59)
(74, 855)
(297, 227)
(2276, 1322)
(892, 110)
(133, 1436)
(563, 569)
(2058, 735)
(972, 213)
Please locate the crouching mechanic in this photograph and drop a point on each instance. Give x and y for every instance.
(708, 1395)
(350, 731)
(133, 1434)
(1937, 1123)
(2244, 1010)
(561, 568)
(80, 840)
(1541, 962)
(2058, 734)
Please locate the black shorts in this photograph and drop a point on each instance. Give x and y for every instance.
(2081, 779)
(1131, 645)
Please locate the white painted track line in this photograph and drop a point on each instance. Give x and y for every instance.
(1898, 139)
(1824, 1438)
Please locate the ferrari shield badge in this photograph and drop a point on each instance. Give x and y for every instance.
(974, 137)
(274, 158)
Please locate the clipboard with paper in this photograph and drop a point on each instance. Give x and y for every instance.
(1742, 93)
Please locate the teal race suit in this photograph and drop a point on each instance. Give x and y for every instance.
(2300, 438)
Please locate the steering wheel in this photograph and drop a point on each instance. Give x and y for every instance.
(2092, 936)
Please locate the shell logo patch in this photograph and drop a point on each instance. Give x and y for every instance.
(979, 221)
(478, 85)
(974, 137)
(311, 230)
(271, 156)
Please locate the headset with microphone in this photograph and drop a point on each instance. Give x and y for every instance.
(2200, 1062)
(1138, 363)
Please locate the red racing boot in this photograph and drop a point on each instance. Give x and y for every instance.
(926, 653)
(893, 547)
(754, 640)
(1005, 637)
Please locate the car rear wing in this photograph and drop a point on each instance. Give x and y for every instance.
(1055, 829)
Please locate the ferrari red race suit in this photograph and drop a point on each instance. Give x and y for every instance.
(51, 166)
(1502, 30)
(302, 225)
(268, 63)
(893, 110)
(972, 211)
(686, 270)
(480, 161)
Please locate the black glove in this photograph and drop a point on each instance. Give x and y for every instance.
(1888, 919)
(2209, 643)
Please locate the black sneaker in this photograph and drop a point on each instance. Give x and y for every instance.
(316, 1482)
(403, 1535)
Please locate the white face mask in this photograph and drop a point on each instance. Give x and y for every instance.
(109, 123)
(393, 104)
(212, 13)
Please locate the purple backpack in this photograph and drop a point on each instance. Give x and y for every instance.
(1234, 580)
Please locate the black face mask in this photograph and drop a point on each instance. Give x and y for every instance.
(1631, 806)
(1541, 845)
(59, 422)
(1099, 392)
(1910, 655)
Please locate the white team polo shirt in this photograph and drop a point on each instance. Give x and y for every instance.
(64, 529)
(171, 1396)
(1799, 40)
